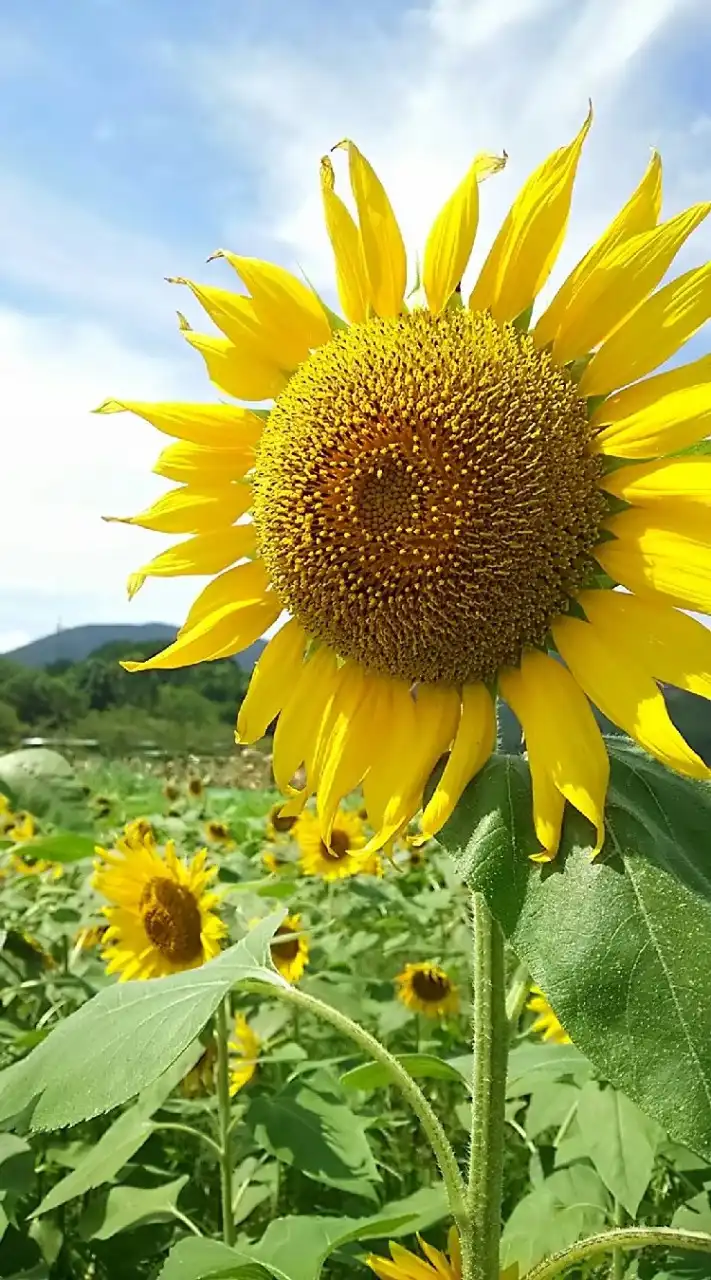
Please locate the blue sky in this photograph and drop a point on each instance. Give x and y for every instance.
(140, 135)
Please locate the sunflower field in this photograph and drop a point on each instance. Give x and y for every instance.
(114, 1141)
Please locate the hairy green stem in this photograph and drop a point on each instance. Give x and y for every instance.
(480, 1250)
(517, 996)
(617, 1269)
(624, 1238)
(173, 1127)
(224, 1116)
(409, 1089)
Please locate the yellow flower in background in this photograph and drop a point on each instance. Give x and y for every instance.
(434, 496)
(343, 856)
(290, 954)
(162, 918)
(427, 988)
(278, 823)
(274, 862)
(546, 1024)
(138, 832)
(244, 1048)
(196, 787)
(219, 833)
(200, 1079)
(171, 791)
(92, 935)
(408, 1266)
(22, 827)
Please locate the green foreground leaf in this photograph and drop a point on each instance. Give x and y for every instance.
(127, 1036)
(373, 1075)
(62, 846)
(619, 944)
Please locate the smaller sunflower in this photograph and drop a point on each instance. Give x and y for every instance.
(343, 857)
(274, 863)
(404, 1265)
(23, 864)
(546, 1024)
(171, 791)
(196, 787)
(219, 833)
(426, 988)
(138, 832)
(102, 806)
(22, 827)
(244, 1054)
(162, 919)
(200, 1079)
(90, 936)
(278, 823)
(290, 949)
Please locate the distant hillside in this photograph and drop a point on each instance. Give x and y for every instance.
(77, 643)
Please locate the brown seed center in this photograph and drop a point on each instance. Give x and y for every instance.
(430, 987)
(171, 919)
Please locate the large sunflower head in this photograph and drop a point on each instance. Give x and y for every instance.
(546, 1022)
(441, 496)
(290, 949)
(427, 988)
(344, 854)
(162, 916)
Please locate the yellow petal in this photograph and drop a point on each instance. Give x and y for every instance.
(235, 369)
(639, 214)
(451, 239)
(620, 282)
(287, 309)
(191, 510)
(302, 716)
(215, 425)
(206, 553)
(274, 678)
(651, 482)
(617, 683)
(669, 646)
(410, 1266)
(564, 744)
(474, 743)
(422, 729)
(384, 1268)
(245, 583)
(203, 465)
(661, 415)
(359, 723)
(218, 635)
(652, 334)
(523, 253)
(351, 275)
(383, 247)
(663, 550)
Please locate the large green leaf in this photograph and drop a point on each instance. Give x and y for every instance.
(62, 846)
(308, 1125)
(198, 1258)
(570, 1204)
(373, 1075)
(126, 1037)
(530, 1064)
(124, 1207)
(620, 1140)
(620, 943)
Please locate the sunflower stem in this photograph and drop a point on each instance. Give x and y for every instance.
(617, 1269)
(622, 1239)
(224, 1116)
(480, 1251)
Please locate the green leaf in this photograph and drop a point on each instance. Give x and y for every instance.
(62, 846)
(696, 1215)
(124, 1207)
(307, 1125)
(121, 1140)
(551, 1102)
(530, 1063)
(620, 1140)
(373, 1075)
(126, 1037)
(17, 1168)
(570, 1204)
(617, 943)
(198, 1258)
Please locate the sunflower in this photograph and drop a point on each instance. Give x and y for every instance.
(90, 936)
(171, 791)
(162, 918)
(442, 496)
(439, 1266)
(274, 862)
(22, 827)
(219, 833)
(102, 806)
(139, 832)
(200, 1079)
(195, 787)
(343, 856)
(426, 988)
(278, 823)
(244, 1054)
(546, 1023)
(290, 955)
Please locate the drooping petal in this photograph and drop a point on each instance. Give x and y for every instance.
(619, 685)
(191, 510)
(685, 479)
(203, 465)
(651, 334)
(205, 553)
(620, 282)
(274, 678)
(360, 721)
(523, 253)
(665, 550)
(451, 239)
(218, 426)
(383, 245)
(285, 306)
(300, 721)
(245, 583)
(473, 744)
(564, 744)
(235, 369)
(639, 214)
(216, 635)
(669, 645)
(661, 415)
(351, 274)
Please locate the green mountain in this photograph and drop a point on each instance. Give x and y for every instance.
(77, 643)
